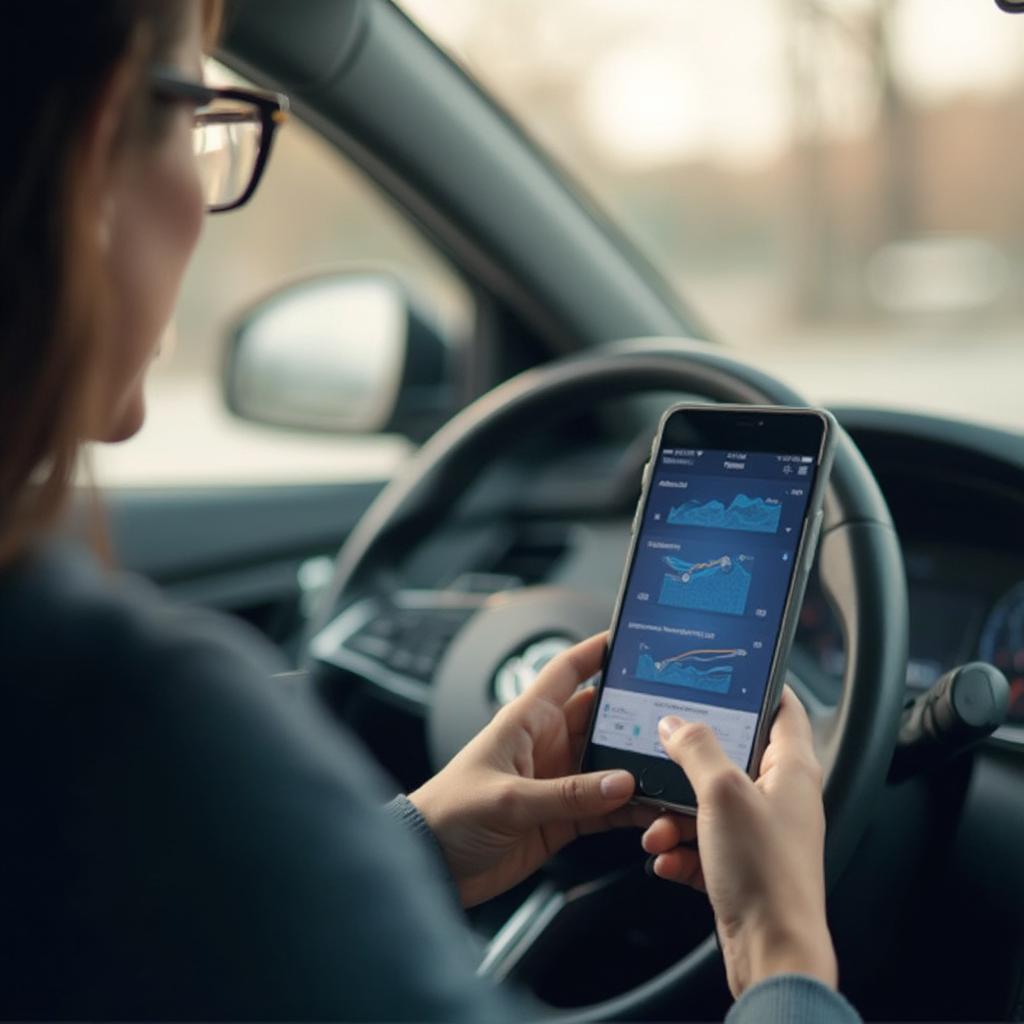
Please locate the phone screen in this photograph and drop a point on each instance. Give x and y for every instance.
(703, 605)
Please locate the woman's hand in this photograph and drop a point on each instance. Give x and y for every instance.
(761, 848)
(511, 799)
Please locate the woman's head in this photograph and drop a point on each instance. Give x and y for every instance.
(149, 217)
(100, 208)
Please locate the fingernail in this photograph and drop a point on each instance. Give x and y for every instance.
(668, 725)
(616, 785)
(643, 840)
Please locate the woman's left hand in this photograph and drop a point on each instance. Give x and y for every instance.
(511, 798)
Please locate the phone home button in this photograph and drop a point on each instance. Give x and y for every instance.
(650, 784)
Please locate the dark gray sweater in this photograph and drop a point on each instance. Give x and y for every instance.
(183, 839)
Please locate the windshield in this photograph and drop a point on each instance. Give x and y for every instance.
(836, 186)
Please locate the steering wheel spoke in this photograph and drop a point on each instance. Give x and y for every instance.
(524, 928)
(396, 642)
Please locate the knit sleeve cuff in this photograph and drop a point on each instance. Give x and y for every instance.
(407, 815)
(793, 998)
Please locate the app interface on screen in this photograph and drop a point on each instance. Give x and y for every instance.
(705, 597)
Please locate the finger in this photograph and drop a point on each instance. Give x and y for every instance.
(792, 727)
(560, 677)
(693, 746)
(575, 797)
(667, 831)
(790, 754)
(577, 710)
(681, 865)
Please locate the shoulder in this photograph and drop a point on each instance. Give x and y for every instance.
(64, 618)
(135, 695)
(179, 784)
(107, 670)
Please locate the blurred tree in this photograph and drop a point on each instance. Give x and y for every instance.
(897, 130)
(813, 237)
(823, 265)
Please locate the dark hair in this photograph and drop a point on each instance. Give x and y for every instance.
(61, 54)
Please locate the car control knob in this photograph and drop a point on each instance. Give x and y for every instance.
(961, 708)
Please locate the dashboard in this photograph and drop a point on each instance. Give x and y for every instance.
(1002, 643)
(966, 604)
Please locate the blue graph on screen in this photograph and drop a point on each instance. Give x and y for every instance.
(755, 515)
(702, 669)
(717, 585)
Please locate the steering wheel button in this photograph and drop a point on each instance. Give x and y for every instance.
(424, 666)
(401, 660)
(382, 625)
(371, 645)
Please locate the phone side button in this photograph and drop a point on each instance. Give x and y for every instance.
(649, 784)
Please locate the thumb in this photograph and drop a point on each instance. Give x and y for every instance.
(576, 797)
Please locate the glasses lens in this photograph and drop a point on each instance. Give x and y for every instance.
(226, 142)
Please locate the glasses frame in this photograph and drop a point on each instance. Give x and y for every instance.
(170, 84)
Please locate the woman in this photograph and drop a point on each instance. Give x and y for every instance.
(183, 839)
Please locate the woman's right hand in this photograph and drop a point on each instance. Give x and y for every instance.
(761, 848)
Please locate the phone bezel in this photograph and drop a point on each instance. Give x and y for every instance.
(749, 430)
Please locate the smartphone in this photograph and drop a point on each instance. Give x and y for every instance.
(722, 543)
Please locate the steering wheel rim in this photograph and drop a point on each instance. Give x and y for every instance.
(860, 563)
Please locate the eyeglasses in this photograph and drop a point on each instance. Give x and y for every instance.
(231, 135)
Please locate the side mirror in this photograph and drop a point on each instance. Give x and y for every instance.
(340, 353)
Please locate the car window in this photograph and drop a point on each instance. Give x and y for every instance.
(834, 185)
(313, 212)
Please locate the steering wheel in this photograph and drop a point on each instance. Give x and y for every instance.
(860, 565)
